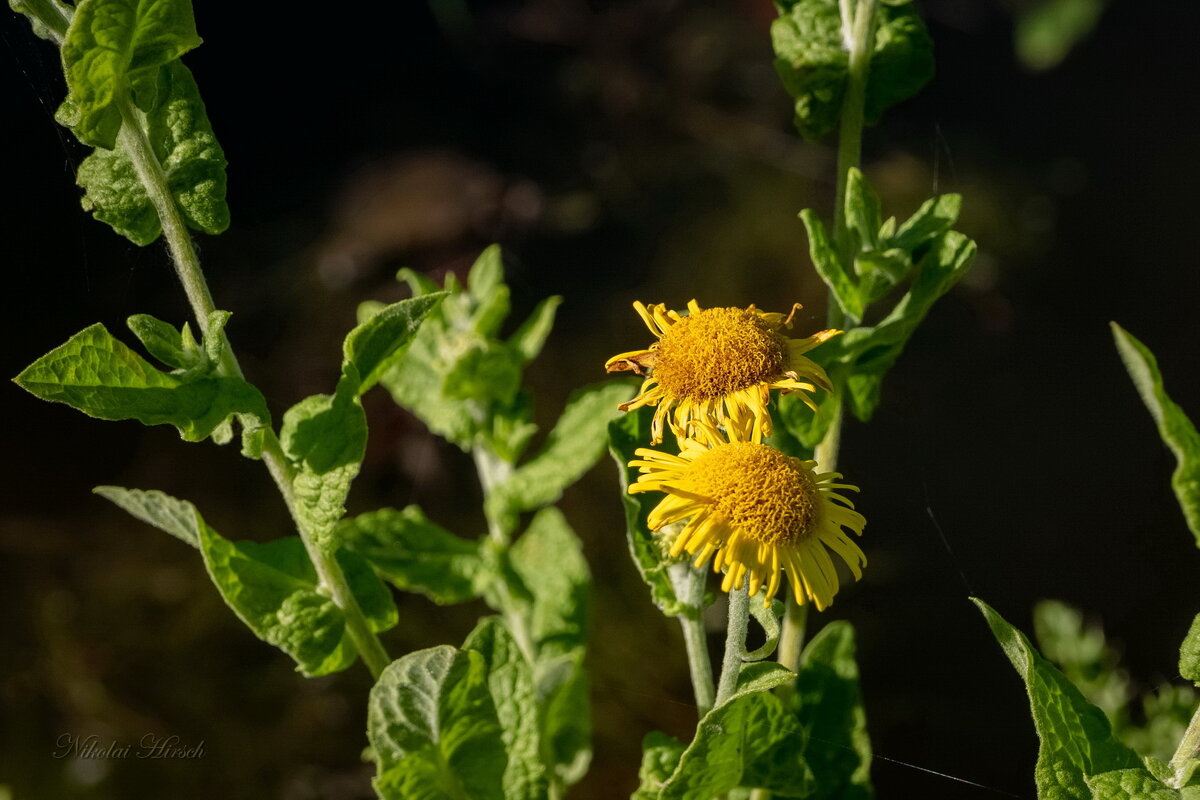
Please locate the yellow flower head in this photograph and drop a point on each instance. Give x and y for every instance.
(757, 510)
(719, 363)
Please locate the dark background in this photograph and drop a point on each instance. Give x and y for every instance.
(619, 151)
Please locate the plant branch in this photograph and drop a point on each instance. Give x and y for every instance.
(689, 587)
(1188, 751)
(735, 643)
(134, 139)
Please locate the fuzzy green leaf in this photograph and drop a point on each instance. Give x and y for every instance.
(574, 445)
(531, 336)
(379, 342)
(192, 160)
(660, 757)
(49, 18)
(414, 554)
(625, 434)
(808, 427)
(272, 587)
(812, 61)
(828, 703)
(434, 728)
(1077, 741)
(1130, 784)
(902, 62)
(325, 436)
(935, 216)
(876, 349)
(829, 266)
(566, 714)
(1176, 430)
(98, 375)
(176, 517)
(165, 342)
(1189, 653)
(864, 214)
(751, 740)
(115, 47)
(549, 560)
(510, 681)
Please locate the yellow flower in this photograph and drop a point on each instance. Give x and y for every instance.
(757, 510)
(719, 363)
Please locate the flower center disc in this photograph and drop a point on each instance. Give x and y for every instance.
(757, 489)
(716, 352)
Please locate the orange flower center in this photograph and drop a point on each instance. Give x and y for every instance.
(771, 497)
(716, 352)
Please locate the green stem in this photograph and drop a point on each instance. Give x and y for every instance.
(136, 143)
(850, 128)
(735, 643)
(690, 590)
(1189, 750)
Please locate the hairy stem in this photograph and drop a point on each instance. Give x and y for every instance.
(861, 45)
(689, 586)
(1188, 751)
(134, 139)
(735, 643)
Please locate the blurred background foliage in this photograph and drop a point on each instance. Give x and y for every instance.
(627, 150)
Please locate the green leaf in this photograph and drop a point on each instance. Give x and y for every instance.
(434, 728)
(574, 445)
(510, 682)
(751, 740)
(829, 266)
(485, 372)
(487, 274)
(1176, 430)
(935, 216)
(1084, 655)
(48, 18)
(864, 215)
(114, 48)
(902, 62)
(566, 714)
(812, 61)
(176, 517)
(807, 426)
(1047, 31)
(379, 342)
(625, 434)
(273, 588)
(414, 554)
(828, 703)
(875, 350)
(1189, 653)
(531, 336)
(325, 436)
(192, 160)
(96, 374)
(660, 757)
(1077, 741)
(761, 676)
(549, 560)
(1129, 784)
(165, 342)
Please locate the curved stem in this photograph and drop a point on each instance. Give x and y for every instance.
(735, 643)
(689, 587)
(134, 140)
